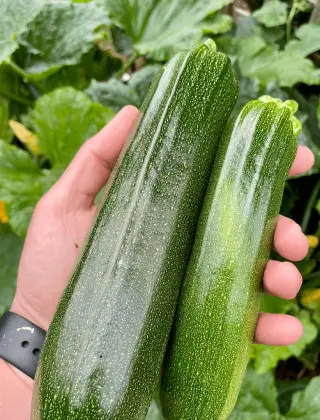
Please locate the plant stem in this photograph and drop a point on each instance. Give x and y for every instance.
(311, 281)
(16, 98)
(315, 15)
(18, 69)
(309, 207)
(126, 66)
(290, 19)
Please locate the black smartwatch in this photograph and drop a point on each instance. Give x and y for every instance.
(21, 342)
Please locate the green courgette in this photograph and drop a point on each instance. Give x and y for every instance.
(105, 346)
(219, 302)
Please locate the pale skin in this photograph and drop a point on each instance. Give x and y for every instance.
(59, 226)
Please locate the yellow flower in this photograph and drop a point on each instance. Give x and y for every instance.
(3, 214)
(25, 136)
(313, 241)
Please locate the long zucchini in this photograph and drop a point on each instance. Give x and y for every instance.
(105, 346)
(219, 301)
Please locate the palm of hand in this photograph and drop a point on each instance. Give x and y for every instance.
(63, 217)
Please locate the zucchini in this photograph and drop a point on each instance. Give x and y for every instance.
(219, 302)
(105, 346)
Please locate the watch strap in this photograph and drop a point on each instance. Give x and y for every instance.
(20, 342)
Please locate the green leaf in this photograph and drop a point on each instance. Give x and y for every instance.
(14, 17)
(309, 40)
(306, 266)
(267, 357)
(63, 120)
(316, 317)
(302, 5)
(219, 23)
(121, 41)
(286, 389)
(249, 89)
(66, 76)
(269, 64)
(162, 28)
(306, 404)
(10, 250)
(116, 94)
(272, 13)
(141, 80)
(113, 93)
(310, 355)
(257, 398)
(274, 304)
(22, 184)
(59, 36)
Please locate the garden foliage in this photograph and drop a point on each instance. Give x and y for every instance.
(67, 67)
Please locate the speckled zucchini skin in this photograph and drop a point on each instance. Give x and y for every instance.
(105, 346)
(219, 302)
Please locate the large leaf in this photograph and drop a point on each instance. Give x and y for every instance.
(309, 40)
(257, 398)
(116, 94)
(285, 67)
(63, 120)
(141, 80)
(272, 13)
(113, 93)
(306, 404)
(265, 62)
(10, 250)
(219, 23)
(22, 184)
(267, 357)
(61, 33)
(14, 17)
(162, 27)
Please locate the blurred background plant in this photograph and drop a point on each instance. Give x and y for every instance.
(67, 67)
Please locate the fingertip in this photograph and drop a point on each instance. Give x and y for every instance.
(289, 240)
(303, 162)
(130, 109)
(278, 329)
(282, 279)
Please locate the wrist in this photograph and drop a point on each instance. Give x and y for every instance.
(21, 307)
(13, 388)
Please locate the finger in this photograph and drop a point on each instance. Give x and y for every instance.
(289, 241)
(303, 162)
(91, 167)
(282, 279)
(278, 329)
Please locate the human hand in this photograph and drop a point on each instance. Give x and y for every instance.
(63, 217)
